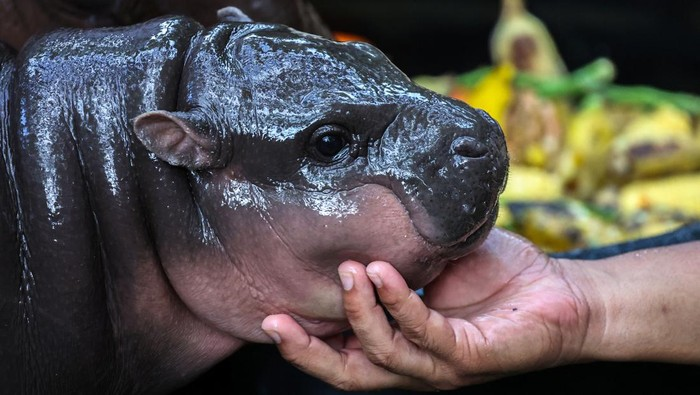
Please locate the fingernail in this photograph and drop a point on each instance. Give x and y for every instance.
(374, 277)
(270, 329)
(347, 280)
(273, 335)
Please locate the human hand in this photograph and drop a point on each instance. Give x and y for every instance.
(504, 309)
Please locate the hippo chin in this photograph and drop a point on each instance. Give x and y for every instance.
(165, 187)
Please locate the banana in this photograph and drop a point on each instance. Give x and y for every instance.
(533, 129)
(679, 193)
(589, 134)
(658, 143)
(522, 39)
(563, 224)
(531, 184)
(494, 92)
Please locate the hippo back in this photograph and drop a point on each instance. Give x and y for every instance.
(74, 221)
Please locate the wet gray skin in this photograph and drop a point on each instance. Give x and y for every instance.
(165, 187)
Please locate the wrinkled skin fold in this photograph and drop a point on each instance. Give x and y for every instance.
(165, 187)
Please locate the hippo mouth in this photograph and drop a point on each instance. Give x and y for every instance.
(471, 239)
(425, 226)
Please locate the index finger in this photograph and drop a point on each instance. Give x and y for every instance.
(347, 369)
(420, 324)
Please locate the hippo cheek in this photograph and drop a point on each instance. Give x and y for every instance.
(282, 256)
(365, 224)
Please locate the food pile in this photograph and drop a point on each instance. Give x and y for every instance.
(592, 162)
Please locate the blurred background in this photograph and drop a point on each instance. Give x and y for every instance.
(653, 42)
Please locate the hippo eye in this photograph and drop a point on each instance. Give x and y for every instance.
(328, 141)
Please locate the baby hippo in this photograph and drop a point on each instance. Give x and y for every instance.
(165, 187)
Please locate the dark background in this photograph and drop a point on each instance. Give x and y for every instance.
(652, 42)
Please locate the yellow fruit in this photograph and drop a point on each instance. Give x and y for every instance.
(519, 38)
(494, 92)
(530, 183)
(677, 193)
(660, 142)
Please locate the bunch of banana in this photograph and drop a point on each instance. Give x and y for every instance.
(656, 143)
(564, 224)
(533, 129)
(528, 184)
(675, 194)
(493, 93)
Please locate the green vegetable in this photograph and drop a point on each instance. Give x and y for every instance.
(652, 97)
(590, 78)
(471, 78)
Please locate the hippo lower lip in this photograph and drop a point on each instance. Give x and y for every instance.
(466, 244)
(477, 229)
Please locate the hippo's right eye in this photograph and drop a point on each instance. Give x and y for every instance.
(328, 141)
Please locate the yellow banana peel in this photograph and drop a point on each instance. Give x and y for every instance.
(522, 39)
(658, 143)
(589, 131)
(679, 193)
(494, 92)
(530, 183)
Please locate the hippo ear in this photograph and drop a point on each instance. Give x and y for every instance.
(232, 14)
(180, 138)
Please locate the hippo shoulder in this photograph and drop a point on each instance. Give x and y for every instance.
(130, 69)
(163, 32)
(136, 54)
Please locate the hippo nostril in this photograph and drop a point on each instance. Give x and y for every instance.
(468, 147)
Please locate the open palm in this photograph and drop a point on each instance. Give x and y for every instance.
(504, 309)
(509, 299)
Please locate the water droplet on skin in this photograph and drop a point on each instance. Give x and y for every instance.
(469, 209)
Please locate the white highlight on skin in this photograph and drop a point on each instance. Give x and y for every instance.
(331, 205)
(238, 194)
(326, 203)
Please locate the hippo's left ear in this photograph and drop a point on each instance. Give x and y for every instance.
(182, 139)
(232, 14)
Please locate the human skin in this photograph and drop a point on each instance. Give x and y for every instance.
(507, 308)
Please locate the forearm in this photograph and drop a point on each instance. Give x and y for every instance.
(645, 305)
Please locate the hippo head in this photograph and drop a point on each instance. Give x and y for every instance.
(305, 152)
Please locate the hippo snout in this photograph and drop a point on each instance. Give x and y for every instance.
(451, 168)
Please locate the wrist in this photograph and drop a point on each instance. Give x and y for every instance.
(584, 282)
(642, 306)
(590, 285)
